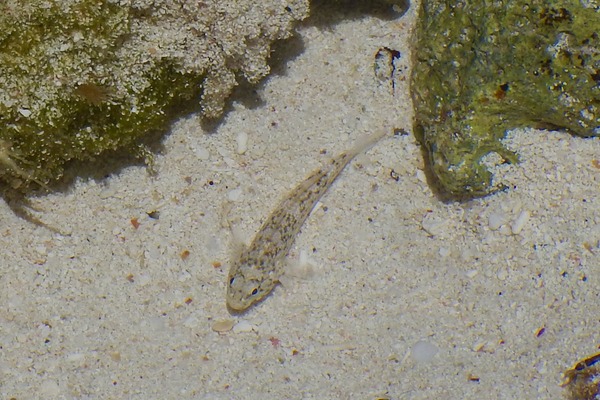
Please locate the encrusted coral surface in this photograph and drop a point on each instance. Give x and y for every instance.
(483, 67)
(80, 77)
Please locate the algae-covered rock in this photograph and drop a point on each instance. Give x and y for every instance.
(483, 67)
(80, 77)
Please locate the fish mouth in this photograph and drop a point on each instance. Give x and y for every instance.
(236, 307)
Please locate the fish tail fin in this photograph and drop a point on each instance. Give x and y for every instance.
(365, 142)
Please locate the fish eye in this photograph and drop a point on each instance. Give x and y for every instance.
(254, 291)
(231, 280)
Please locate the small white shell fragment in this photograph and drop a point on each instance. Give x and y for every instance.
(235, 195)
(423, 351)
(243, 327)
(502, 274)
(49, 388)
(25, 112)
(223, 325)
(496, 220)
(191, 322)
(242, 142)
(433, 225)
(421, 176)
(519, 223)
(76, 358)
(77, 36)
(444, 252)
(472, 273)
(202, 153)
(107, 192)
(144, 279)
(505, 230)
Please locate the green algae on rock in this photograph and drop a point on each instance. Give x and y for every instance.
(82, 77)
(482, 68)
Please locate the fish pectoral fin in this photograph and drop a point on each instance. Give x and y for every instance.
(238, 244)
(301, 268)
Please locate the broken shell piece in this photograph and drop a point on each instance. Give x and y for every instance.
(223, 325)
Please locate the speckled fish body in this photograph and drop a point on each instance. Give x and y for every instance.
(258, 268)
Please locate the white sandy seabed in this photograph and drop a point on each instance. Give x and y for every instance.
(397, 296)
